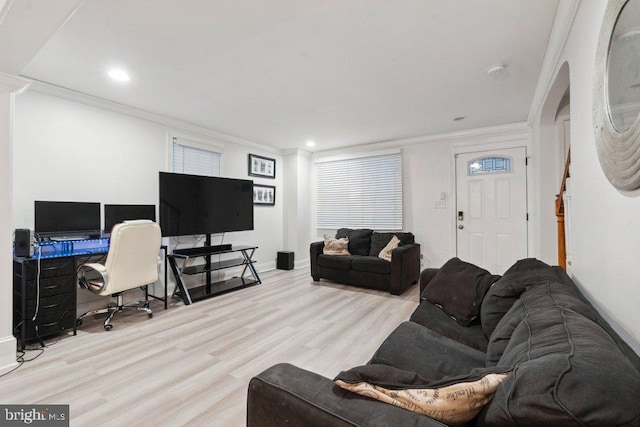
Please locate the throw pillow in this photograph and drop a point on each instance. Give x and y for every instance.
(333, 246)
(385, 253)
(359, 240)
(380, 240)
(520, 276)
(458, 289)
(453, 401)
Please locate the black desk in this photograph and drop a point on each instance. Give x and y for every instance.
(53, 302)
(210, 289)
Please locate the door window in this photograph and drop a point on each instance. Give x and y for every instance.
(489, 164)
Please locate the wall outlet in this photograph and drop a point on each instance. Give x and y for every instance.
(440, 204)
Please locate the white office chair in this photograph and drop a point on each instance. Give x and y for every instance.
(132, 262)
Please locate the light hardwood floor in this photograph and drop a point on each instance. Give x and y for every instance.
(190, 365)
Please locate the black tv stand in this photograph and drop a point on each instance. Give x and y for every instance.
(210, 289)
(203, 250)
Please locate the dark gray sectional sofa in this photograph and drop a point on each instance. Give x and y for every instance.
(363, 267)
(568, 367)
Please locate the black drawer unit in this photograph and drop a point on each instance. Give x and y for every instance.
(44, 298)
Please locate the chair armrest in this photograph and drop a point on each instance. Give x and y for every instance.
(287, 395)
(425, 277)
(93, 276)
(405, 267)
(315, 250)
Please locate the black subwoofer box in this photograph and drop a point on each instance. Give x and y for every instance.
(285, 260)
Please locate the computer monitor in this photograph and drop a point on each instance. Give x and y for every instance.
(66, 219)
(115, 214)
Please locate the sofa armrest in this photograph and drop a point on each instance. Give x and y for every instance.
(287, 395)
(405, 267)
(315, 250)
(425, 277)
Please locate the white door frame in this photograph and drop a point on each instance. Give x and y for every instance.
(496, 141)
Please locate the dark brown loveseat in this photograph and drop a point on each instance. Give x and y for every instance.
(363, 267)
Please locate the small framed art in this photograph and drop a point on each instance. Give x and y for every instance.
(264, 194)
(262, 166)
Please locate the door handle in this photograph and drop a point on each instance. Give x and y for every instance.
(460, 226)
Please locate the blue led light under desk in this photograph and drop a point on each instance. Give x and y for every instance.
(71, 248)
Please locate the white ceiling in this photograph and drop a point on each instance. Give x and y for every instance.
(282, 72)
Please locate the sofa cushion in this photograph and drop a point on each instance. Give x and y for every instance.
(413, 347)
(567, 369)
(432, 317)
(386, 252)
(536, 298)
(380, 240)
(333, 246)
(370, 264)
(459, 288)
(504, 293)
(359, 240)
(337, 262)
(454, 401)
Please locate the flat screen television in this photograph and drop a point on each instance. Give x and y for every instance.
(115, 214)
(194, 204)
(67, 219)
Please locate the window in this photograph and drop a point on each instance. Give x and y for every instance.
(363, 192)
(489, 165)
(196, 159)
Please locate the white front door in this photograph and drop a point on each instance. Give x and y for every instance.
(491, 208)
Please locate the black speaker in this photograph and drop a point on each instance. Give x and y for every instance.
(285, 260)
(24, 248)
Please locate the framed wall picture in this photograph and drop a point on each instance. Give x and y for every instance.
(262, 166)
(264, 194)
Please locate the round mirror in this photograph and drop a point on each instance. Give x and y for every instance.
(616, 101)
(623, 69)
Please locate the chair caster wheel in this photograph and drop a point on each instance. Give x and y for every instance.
(108, 327)
(150, 315)
(79, 322)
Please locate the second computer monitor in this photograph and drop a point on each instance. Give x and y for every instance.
(115, 214)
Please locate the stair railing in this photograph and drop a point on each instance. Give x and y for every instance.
(562, 248)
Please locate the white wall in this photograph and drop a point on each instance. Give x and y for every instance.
(604, 221)
(428, 171)
(69, 151)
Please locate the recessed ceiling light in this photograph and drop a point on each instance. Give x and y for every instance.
(119, 75)
(311, 144)
(457, 119)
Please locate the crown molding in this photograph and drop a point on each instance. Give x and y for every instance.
(11, 84)
(5, 5)
(296, 151)
(116, 107)
(499, 133)
(562, 24)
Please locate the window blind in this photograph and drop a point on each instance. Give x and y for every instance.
(196, 161)
(360, 193)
